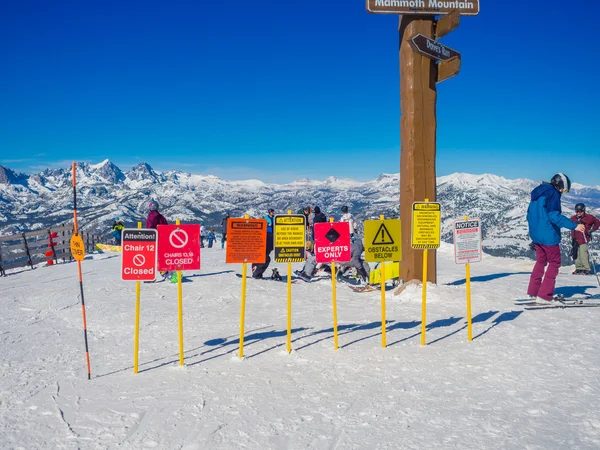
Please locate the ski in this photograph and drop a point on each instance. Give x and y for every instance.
(265, 278)
(561, 301)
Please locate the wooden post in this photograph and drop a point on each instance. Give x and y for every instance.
(27, 250)
(418, 77)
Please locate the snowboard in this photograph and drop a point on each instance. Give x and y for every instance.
(108, 247)
(369, 288)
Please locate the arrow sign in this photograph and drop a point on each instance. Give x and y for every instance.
(432, 49)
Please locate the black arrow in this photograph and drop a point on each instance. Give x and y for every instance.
(432, 49)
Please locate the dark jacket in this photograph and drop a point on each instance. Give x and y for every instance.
(591, 224)
(319, 216)
(154, 219)
(544, 216)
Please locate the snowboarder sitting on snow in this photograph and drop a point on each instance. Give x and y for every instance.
(580, 246)
(116, 230)
(362, 268)
(310, 265)
(545, 219)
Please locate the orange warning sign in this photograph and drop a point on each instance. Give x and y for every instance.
(246, 241)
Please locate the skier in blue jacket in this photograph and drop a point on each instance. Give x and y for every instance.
(545, 220)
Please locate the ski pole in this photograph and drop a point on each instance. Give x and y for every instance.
(591, 258)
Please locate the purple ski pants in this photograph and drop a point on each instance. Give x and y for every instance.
(542, 284)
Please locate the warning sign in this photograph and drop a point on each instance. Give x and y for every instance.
(467, 241)
(289, 234)
(332, 242)
(246, 241)
(383, 240)
(77, 247)
(179, 247)
(426, 224)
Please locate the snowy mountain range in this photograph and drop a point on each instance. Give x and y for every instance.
(104, 191)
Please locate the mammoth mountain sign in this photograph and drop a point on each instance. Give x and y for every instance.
(466, 8)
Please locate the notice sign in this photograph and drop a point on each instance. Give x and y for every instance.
(467, 241)
(332, 242)
(77, 247)
(383, 240)
(466, 7)
(138, 255)
(246, 241)
(179, 247)
(289, 236)
(426, 224)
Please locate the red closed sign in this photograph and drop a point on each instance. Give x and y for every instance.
(332, 242)
(179, 247)
(138, 255)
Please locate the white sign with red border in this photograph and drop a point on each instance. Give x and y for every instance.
(179, 247)
(138, 254)
(467, 241)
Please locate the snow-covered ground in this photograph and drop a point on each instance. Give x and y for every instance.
(530, 379)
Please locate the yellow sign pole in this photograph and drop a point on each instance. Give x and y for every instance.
(424, 299)
(180, 311)
(136, 333)
(333, 292)
(468, 278)
(289, 303)
(383, 320)
(243, 305)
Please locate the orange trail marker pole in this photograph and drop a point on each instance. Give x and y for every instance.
(76, 231)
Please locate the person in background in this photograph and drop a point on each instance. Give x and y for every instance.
(211, 237)
(347, 217)
(581, 239)
(117, 228)
(202, 233)
(259, 269)
(154, 217)
(224, 229)
(545, 219)
(153, 220)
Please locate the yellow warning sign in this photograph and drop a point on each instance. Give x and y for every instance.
(383, 240)
(426, 224)
(289, 234)
(77, 247)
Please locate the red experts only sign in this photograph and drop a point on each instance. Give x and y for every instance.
(332, 242)
(179, 247)
(138, 255)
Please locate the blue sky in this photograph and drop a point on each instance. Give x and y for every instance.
(278, 90)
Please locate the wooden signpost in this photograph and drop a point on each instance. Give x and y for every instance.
(424, 62)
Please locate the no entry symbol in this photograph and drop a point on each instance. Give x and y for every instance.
(139, 260)
(178, 238)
